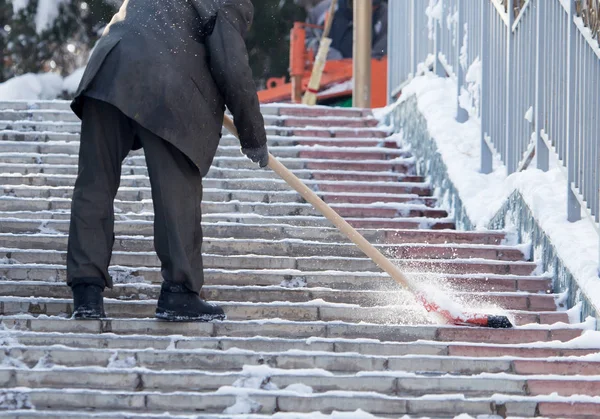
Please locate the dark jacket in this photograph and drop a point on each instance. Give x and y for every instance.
(172, 66)
(342, 29)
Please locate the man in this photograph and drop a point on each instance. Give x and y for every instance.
(342, 29)
(159, 78)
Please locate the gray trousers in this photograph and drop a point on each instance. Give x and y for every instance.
(107, 136)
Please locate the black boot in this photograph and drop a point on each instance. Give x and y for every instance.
(178, 304)
(88, 302)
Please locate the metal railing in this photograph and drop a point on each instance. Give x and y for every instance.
(408, 26)
(539, 80)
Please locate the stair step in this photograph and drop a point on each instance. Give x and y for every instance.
(293, 329)
(385, 308)
(235, 360)
(274, 344)
(43, 212)
(328, 132)
(42, 116)
(231, 149)
(291, 278)
(273, 247)
(271, 401)
(399, 164)
(275, 129)
(401, 384)
(225, 173)
(165, 381)
(266, 109)
(220, 195)
(250, 261)
(274, 184)
(256, 208)
(226, 140)
(275, 231)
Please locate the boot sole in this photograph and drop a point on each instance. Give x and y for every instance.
(87, 316)
(169, 316)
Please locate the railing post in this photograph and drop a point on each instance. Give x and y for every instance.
(363, 17)
(461, 114)
(414, 36)
(486, 153)
(392, 57)
(511, 163)
(573, 207)
(437, 34)
(541, 149)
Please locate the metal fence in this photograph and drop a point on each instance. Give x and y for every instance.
(540, 78)
(408, 26)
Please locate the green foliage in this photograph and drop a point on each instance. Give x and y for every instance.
(65, 46)
(62, 48)
(269, 38)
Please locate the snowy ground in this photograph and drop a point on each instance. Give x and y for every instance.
(483, 195)
(43, 86)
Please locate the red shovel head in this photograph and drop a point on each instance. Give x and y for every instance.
(481, 320)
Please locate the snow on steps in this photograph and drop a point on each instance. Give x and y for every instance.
(314, 328)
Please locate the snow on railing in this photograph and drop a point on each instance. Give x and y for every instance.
(532, 77)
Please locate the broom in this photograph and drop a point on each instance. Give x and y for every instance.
(314, 84)
(448, 315)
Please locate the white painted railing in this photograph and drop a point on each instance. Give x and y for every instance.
(540, 79)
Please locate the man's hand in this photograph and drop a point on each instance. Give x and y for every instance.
(258, 155)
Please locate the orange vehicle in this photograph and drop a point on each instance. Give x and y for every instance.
(336, 83)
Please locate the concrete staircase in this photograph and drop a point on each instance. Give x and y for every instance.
(313, 326)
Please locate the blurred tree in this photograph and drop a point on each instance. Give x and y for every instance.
(62, 44)
(46, 39)
(6, 12)
(269, 38)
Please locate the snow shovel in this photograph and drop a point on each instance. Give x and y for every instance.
(449, 315)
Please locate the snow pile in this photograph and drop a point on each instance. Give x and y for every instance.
(256, 377)
(243, 405)
(589, 339)
(484, 194)
(470, 97)
(71, 83)
(7, 340)
(126, 363)
(45, 15)
(253, 378)
(8, 261)
(294, 282)
(125, 275)
(357, 414)
(32, 87)
(10, 400)
(44, 229)
(434, 12)
(300, 388)
(45, 362)
(42, 86)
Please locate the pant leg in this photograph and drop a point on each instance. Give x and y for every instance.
(176, 195)
(106, 138)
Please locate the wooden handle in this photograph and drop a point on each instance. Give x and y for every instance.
(345, 228)
(228, 123)
(329, 20)
(314, 84)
